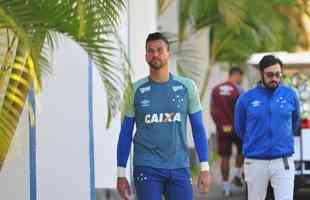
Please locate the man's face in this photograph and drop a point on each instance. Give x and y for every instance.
(239, 78)
(271, 76)
(157, 54)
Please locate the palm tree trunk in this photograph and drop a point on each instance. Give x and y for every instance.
(14, 100)
(206, 79)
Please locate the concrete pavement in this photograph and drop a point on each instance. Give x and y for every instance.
(216, 186)
(237, 193)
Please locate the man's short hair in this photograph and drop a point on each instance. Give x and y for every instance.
(267, 61)
(157, 36)
(235, 70)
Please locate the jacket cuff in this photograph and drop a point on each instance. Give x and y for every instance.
(121, 172)
(204, 166)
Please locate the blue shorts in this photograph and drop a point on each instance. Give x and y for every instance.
(153, 183)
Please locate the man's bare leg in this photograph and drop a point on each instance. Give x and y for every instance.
(225, 175)
(237, 180)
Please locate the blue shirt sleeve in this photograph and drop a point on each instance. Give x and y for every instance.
(240, 119)
(199, 135)
(124, 141)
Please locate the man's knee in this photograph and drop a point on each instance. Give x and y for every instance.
(224, 149)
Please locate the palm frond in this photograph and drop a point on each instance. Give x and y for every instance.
(8, 44)
(205, 13)
(14, 99)
(185, 8)
(239, 28)
(39, 26)
(109, 10)
(232, 12)
(189, 60)
(53, 40)
(102, 46)
(14, 17)
(45, 64)
(163, 5)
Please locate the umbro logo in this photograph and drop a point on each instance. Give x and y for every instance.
(145, 103)
(177, 88)
(256, 103)
(225, 90)
(145, 89)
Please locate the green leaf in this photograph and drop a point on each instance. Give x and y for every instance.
(39, 27)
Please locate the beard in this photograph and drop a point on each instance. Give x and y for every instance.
(156, 64)
(272, 85)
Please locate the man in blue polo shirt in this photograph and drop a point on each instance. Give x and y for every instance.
(266, 118)
(159, 106)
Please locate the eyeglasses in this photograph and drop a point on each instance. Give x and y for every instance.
(272, 74)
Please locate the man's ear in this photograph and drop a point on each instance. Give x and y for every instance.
(261, 75)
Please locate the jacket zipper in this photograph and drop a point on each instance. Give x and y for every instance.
(269, 123)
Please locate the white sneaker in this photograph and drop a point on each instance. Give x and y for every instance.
(226, 192)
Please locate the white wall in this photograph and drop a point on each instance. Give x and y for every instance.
(63, 167)
(168, 23)
(63, 134)
(168, 20)
(137, 22)
(105, 141)
(142, 21)
(14, 176)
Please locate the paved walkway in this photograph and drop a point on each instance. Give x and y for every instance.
(216, 186)
(215, 190)
(237, 193)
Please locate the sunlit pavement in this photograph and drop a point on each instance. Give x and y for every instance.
(237, 193)
(215, 192)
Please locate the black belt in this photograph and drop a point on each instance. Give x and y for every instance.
(285, 162)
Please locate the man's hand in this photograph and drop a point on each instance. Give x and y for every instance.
(204, 181)
(123, 188)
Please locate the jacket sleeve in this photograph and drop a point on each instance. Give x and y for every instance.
(296, 115)
(199, 135)
(124, 141)
(124, 145)
(240, 118)
(125, 135)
